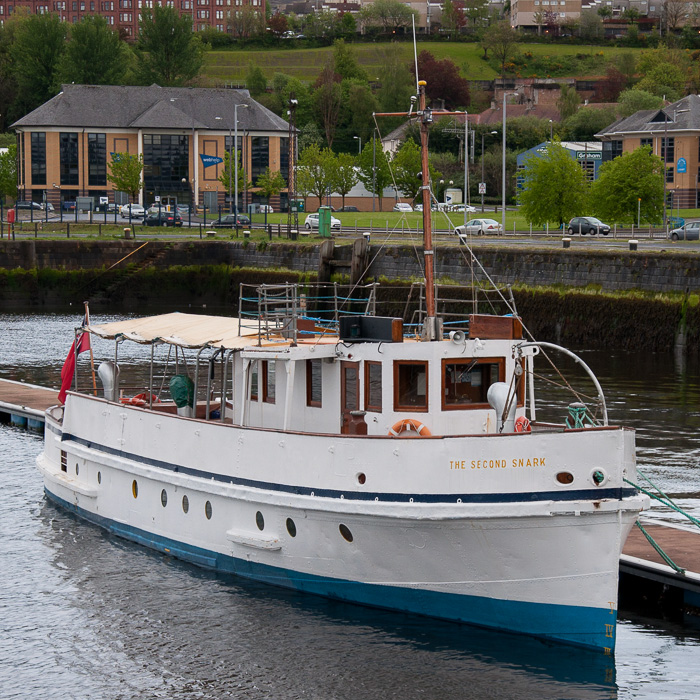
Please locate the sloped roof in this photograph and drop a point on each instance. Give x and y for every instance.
(120, 106)
(683, 115)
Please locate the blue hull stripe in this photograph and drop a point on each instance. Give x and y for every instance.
(530, 496)
(585, 627)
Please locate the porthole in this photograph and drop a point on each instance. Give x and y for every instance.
(565, 478)
(207, 510)
(345, 532)
(291, 528)
(260, 521)
(164, 498)
(135, 488)
(77, 470)
(185, 503)
(598, 477)
(99, 477)
(361, 478)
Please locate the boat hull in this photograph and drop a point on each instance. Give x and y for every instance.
(540, 562)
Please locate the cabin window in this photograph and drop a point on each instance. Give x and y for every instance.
(410, 386)
(314, 393)
(350, 387)
(268, 376)
(373, 386)
(465, 383)
(254, 380)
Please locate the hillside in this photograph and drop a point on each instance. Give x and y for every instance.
(541, 60)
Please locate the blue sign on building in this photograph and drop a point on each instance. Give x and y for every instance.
(681, 166)
(210, 160)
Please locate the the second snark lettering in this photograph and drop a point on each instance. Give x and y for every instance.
(515, 463)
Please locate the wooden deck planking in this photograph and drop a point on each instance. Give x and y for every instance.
(27, 396)
(682, 546)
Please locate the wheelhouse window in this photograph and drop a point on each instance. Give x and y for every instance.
(254, 381)
(373, 386)
(268, 375)
(314, 394)
(410, 386)
(465, 383)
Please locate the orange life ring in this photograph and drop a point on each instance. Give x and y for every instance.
(409, 425)
(522, 425)
(138, 400)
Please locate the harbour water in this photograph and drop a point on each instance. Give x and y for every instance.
(86, 615)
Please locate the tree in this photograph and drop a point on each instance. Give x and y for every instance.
(344, 175)
(168, 52)
(590, 26)
(477, 12)
(587, 122)
(624, 181)
(664, 80)
(502, 40)
(8, 172)
(94, 55)
(396, 85)
(406, 165)
(633, 100)
(555, 187)
(568, 101)
(443, 80)
(125, 173)
(328, 100)
(345, 62)
(374, 172)
(315, 169)
(278, 24)
(453, 17)
(246, 22)
(673, 13)
(255, 80)
(39, 43)
(270, 183)
(360, 105)
(390, 15)
(310, 135)
(227, 176)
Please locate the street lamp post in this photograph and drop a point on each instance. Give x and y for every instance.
(359, 143)
(482, 169)
(235, 162)
(503, 184)
(551, 127)
(374, 167)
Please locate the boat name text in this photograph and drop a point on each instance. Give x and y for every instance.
(515, 463)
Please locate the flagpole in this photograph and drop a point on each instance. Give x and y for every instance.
(92, 357)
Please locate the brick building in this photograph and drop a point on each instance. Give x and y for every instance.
(123, 15)
(66, 147)
(673, 133)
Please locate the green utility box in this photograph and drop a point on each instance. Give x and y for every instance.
(324, 222)
(297, 205)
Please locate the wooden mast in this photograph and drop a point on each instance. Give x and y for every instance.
(432, 329)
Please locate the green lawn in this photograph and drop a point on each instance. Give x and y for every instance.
(547, 59)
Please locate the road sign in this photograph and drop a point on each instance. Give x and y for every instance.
(482, 188)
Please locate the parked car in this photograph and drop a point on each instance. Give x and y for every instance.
(27, 205)
(184, 210)
(461, 208)
(348, 208)
(137, 211)
(164, 218)
(69, 205)
(689, 232)
(480, 227)
(402, 206)
(587, 224)
(47, 206)
(266, 209)
(229, 221)
(312, 222)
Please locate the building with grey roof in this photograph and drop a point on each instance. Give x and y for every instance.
(67, 145)
(673, 133)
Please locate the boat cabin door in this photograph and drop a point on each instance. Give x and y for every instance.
(349, 396)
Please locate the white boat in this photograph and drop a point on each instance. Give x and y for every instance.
(407, 473)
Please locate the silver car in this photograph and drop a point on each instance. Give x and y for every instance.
(480, 227)
(689, 232)
(312, 222)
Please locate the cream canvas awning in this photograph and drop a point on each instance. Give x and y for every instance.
(183, 330)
